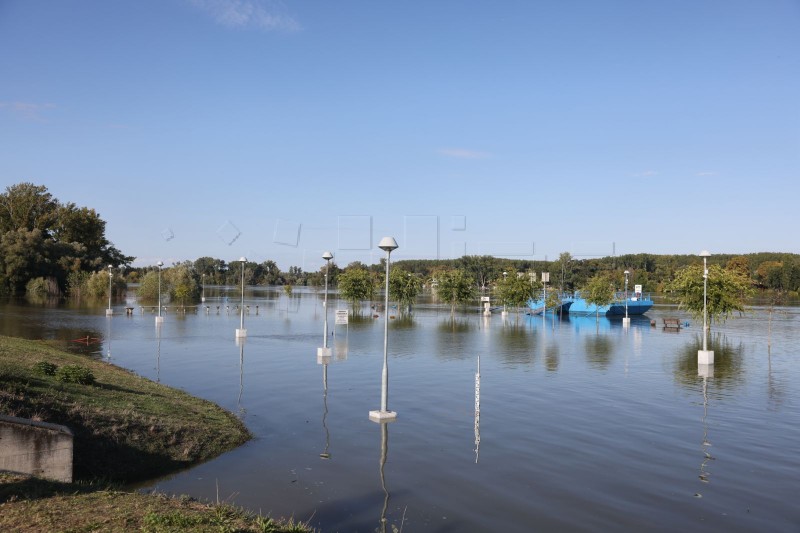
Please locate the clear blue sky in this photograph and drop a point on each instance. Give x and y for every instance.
(518, 128)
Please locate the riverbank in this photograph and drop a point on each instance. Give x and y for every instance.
(126, 428)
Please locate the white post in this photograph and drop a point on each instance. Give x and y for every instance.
(241, 332)
(159, 318)
(626, 321)
(324, 351)
(705, 356)
(387, 244)
(109, 312)
(505, 288)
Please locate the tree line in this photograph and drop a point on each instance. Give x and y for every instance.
(51, 247)
(47, 246)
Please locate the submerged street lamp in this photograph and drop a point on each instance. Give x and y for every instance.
(109, 312)
(705, 356)
(241, 332)
(505, 290)
(203, 289)
(327, 256)
(626, 321)
(159, 318)
(387, 244)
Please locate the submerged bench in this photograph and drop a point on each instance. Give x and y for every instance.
(672, 323)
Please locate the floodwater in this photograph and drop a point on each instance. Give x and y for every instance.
(503, 424)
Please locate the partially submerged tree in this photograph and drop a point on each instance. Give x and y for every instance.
(355, 285)
(404, 288)
(514, 289)
(599, 291)
(454, 287)
(727, 290)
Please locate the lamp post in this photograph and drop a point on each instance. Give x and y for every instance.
(387, 244)
(203, 288)
(626, 321)
(705, 356)
(327, 256)
(505, 290)
(159, 318)
(109, 312)
(241, 332)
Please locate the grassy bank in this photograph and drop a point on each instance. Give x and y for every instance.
(126, 428)
(43, 506)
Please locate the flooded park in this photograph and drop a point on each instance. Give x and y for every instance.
(504, 423)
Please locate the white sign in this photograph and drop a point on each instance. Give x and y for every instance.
(637, 288)
(342, 316)
(484, 298)
(545, 277)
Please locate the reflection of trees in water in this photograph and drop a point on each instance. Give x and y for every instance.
(599, 349)
(451, 341)
(455, 325)
(404, 321)
(776, 388)
(551, 357)
(517, 343)
(361, 321)
(728, 369)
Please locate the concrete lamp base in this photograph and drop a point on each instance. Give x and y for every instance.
(324, 359)
(705, 357)
(109, 312)
(324, 352)
(705, 371)
(626, 321)
(382, 416)
(159, 320)
(241, 332)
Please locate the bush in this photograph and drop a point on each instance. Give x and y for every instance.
(45, 368)
(75, 374)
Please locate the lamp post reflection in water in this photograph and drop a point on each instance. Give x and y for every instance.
(478, 410)
(325, 454)
(240, 342)
(705, 371)
(158, 352)
(384, 453)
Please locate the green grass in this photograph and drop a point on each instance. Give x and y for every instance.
(47, 506)
(127, 428)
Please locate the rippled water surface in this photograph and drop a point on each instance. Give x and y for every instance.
(517, 424)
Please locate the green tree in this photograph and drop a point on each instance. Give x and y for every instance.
(454, 287)
(27, 206)
(39, 237)
(562, 271)
(182, 283)
(482, 269)
(404, 288)
(355, 285)
(148, 287)
(514, 289)
(599, 291)
(726, 292)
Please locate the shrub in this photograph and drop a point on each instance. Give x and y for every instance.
(75, 374)
(45, 368)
